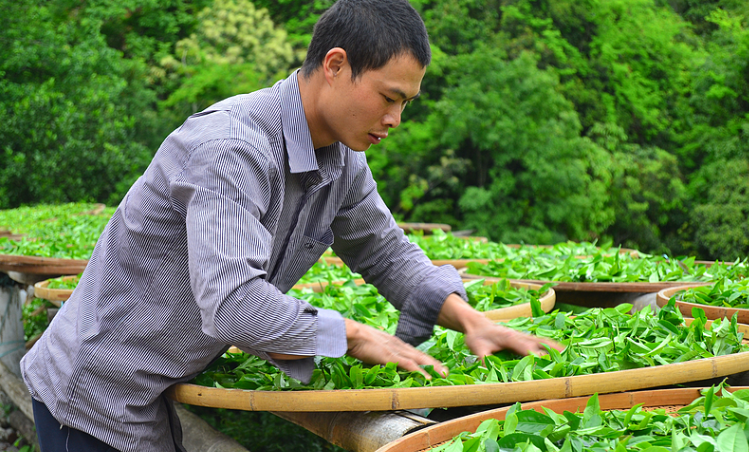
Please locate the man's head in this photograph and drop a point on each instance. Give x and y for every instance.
(371, 32)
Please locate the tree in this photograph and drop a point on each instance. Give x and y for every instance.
(236, 48)
(716, 145)
(532, 177)
(69, 106)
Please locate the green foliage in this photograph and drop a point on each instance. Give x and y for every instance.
(298, 18)
(646, 190)
(532, 178)
(442, 245)
(141, 29)
(719, 224)
(716, 146)
(539, 121)
(261, 431)
(604, 267)
(714, 421)
(458, 27)
(67, 231)
(67, 129)
(597, 340)
(145, 32)
(67, 283)
(545, 121)
(724, 292)
(322, 271)
(34, 317)
(236, 48)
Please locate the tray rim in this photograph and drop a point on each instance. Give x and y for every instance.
(711, 312)
(611, 287)
(433, 435)
(386, 399)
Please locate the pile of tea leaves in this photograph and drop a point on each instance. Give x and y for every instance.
(604, 267)
(597, 340)
(67, 231)
(715, 421)
(724, 293)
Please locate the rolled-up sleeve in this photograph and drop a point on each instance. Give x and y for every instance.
(369, 240)
(225, 192)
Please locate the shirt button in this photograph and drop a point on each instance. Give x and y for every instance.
(309, 246)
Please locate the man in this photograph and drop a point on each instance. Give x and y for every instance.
(236, 206)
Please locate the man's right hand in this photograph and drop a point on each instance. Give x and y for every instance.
(373, 346)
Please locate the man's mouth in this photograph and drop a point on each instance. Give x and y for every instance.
(375, 138)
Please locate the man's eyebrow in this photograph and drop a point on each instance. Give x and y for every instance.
(403, 95)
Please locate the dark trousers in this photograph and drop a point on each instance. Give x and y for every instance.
(55, 438)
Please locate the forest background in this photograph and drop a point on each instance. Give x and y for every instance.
(539, 121)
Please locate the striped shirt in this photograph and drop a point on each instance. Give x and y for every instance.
(234, 208)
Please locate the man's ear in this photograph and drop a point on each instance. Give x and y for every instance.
(334, 64)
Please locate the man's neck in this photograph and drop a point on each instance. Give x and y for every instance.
(309, 90)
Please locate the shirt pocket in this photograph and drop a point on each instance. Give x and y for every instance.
(306, 253)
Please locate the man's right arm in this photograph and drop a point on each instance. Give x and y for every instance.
(224, 192)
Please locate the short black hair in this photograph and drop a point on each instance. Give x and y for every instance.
(371, 32)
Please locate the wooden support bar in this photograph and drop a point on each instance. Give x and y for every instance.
(358, 432)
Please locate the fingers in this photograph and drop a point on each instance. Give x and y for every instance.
(373, 346)
(496, 337)
(413, 360)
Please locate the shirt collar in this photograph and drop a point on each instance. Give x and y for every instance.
(299, 148)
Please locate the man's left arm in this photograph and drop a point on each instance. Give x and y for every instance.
(369, 241)
(483, 336)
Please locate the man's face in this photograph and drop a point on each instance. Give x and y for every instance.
(363, 110)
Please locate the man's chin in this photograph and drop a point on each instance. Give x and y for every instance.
(359, 147)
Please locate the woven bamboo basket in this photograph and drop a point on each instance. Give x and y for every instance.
(426, 228)
(319, 286)
(547, 300)
(611, 287)
(430, 437)
(711, 312)
(457, 263)
(469, 395)
(630, 251)
(41, 265)
(36, 265)
(10, 235)
(55, 296)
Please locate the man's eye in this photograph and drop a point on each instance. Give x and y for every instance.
(388, 100)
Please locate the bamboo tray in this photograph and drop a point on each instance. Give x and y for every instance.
(41, 265)
(469, 395)
(430, 437)
(426, 228)
(548, 300)
(319, 286)
(457, 263)
(612, 287)
(630, 251)
(55, 296)
(711, 312)
(10, 235)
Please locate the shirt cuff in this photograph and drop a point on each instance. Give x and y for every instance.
(420, 312)
(331, 342)
(331, 334)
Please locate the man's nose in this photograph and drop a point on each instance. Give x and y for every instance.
(392, 118)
